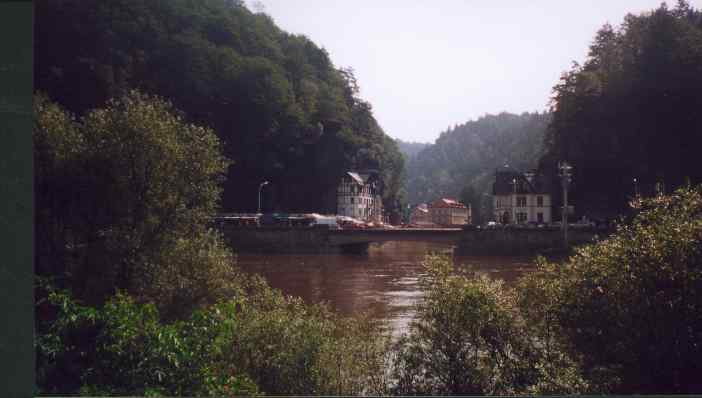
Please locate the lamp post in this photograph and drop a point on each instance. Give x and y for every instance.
(564, 171)
(260, 187)
(636, 188)
(514, 201)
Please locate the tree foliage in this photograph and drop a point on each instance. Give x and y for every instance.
(470, 339)
(630, 111)
(630, 306)
(284, 112)
(410, 149)
(122, 199)
(255, 342)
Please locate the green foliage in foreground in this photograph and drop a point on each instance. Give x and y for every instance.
(470, 339)
(122, 196)
(257, 343)
(631, 305)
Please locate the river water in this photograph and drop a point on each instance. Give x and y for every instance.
(384, 282)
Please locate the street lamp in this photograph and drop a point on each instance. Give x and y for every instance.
(564, 171)
(260, 187)
(636, 188)
(514, 201)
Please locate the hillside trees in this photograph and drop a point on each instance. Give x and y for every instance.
(462, 161)
(283, 111)
(410, 149)
(631, 109)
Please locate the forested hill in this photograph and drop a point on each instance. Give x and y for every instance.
(631, 111)
(285, 113)
(410, 149)
(462, 161)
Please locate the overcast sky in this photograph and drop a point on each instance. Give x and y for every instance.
(426, 65)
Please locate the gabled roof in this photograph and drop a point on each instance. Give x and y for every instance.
(509, 181)
(446, 202)
(364, 177)
(356, 177)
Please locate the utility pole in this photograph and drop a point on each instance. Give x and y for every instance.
(564, 171)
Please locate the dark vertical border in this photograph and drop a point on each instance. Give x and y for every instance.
(16, 201)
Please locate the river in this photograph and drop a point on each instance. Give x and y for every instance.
(384, 282)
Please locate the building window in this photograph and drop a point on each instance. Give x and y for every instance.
(540, 217)
(521, 217)
(351, 200)
(521, 201)
(540, 201)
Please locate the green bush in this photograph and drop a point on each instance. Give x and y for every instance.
(631, 306)
(469, 338)
(257, 342)
(122, 198)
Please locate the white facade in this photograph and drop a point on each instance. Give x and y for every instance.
(358, 197)
(522, 208)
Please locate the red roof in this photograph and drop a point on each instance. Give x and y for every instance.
(445, 202)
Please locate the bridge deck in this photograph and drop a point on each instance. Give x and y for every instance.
(357, 236)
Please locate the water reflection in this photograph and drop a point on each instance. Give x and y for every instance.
(384, 282)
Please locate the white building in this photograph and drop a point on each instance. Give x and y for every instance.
(520, 198)
(359, 196)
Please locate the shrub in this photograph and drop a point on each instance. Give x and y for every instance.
(122, 198)
(468, 339)
(631, 305)
(257, 342)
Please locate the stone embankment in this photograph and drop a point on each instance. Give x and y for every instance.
(508, 241)
(468, 241)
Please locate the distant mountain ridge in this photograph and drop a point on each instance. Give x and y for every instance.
(409, 148)
(462, 161)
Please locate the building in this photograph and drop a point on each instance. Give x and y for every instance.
(520, 198)
(420, 215)
(449, 212)
(359, 196)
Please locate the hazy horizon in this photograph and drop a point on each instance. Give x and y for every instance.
(425, 66)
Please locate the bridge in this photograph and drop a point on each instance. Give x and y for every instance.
(344, 237)
(467, 241)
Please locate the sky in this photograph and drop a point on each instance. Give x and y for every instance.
(426, 65)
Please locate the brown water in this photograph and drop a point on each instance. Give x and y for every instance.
(384, 282)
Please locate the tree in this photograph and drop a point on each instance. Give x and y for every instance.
(630, 305)
(255, 341)
(283, 112)
(472, 199)
(469, 339)
(123, 200)
(629, 110)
